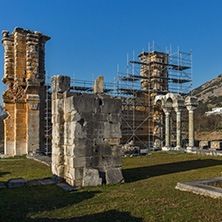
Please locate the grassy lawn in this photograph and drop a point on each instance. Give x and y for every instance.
(147, 195)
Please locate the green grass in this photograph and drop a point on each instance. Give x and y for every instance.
(147, 195)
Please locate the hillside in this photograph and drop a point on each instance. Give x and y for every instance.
(210, 93)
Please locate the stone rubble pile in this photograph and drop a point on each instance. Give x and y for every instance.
(129, 149)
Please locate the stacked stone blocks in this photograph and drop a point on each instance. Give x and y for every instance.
(24, 74)
(86, 136)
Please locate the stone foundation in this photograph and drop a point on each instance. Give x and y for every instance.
(86, 136)
(216, 144)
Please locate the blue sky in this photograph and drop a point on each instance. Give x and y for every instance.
(93, 36)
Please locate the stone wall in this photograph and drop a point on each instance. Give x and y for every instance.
(86, 136)
(216, 144)
(24, 74)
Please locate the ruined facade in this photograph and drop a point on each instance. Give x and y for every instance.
(174, 101)
(24, 102)
(86, 135)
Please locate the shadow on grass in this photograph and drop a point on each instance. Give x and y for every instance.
(111, 215)
(20, 203)
(3, 173)
(140, 173)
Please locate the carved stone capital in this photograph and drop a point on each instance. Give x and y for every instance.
(33, 100)
(167, 110)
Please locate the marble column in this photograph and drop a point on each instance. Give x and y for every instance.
(167, 112)
(178, 113)
(191, 127)
(191, 104)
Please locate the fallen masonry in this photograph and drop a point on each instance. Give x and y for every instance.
(21, 182)
(86, 136)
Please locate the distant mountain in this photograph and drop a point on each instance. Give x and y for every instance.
(210, 93)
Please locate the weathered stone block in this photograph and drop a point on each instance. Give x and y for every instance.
(216, 144)
(67, 187)
(98, 161)
(114, 118)
(99, 117)
(91, 177)
(98, 86)
(81, 162)
(83, 151)
(86, 133)
(81, 104)
(204, 143)
(117, 161)
(112, 130)
(75, 116)
(114, 176)
(19, 182)
(79, 173)
(116, 151)
(60, 83)
(101, 150)
(111, 106)
(113, 141)
(46, 181)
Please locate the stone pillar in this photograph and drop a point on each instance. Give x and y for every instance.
(60, 84)
(24, 75)
(33, 139)
(20, 128)
(178, 113)
(9, 129)
(9, 103)
(167, 112)
(191, 104)
(191, 128)
(98, 86)
(86, 136)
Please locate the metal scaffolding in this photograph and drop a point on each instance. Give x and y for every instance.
(136, 85)
(139, 82)
(48, 118)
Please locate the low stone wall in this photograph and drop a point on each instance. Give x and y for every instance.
(86, 136)
(210, 144)
(204, 144)
(216, 144)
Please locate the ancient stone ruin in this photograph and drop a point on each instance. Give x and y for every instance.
(175, 101)
(24, 74)
(86, 135)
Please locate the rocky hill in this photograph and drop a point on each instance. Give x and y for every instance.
(210, 93)
(209, 96)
